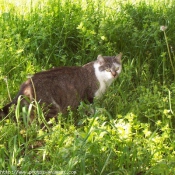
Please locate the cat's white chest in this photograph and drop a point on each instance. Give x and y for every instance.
(105, 79)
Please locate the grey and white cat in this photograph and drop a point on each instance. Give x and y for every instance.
(61, 87)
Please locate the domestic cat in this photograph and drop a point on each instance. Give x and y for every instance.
(61, 87)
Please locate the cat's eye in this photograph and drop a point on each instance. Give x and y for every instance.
(117, 68)
(108, 70)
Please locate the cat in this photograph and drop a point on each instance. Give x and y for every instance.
(61, 87)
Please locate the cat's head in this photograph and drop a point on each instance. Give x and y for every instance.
(108, 67)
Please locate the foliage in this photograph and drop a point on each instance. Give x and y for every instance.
(131, 130)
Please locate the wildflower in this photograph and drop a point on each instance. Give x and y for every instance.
(172, 50)
(163, 28)
(103, 37)
(147, 132)
(5, 78)
(19, 51)
(158, 123)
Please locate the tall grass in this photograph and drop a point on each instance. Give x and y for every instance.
(132, 128)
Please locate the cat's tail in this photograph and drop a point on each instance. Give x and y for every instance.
(5, 110)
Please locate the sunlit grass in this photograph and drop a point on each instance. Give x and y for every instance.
(23, 7)
(132, 128)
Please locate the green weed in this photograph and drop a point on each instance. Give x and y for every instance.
(131, 129)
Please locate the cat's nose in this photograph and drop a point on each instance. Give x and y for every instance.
(114, 73)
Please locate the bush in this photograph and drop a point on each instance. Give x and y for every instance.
(132, 128)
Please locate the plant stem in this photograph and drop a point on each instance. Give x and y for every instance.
(166, 40)
(8, 89)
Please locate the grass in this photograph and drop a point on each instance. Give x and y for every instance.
(132, 129)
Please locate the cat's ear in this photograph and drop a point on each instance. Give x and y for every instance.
(119, 57)
(100, 59)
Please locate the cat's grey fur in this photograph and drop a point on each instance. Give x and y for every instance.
(61, 87)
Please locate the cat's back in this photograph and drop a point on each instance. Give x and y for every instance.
(59, 71)
(75, 75)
